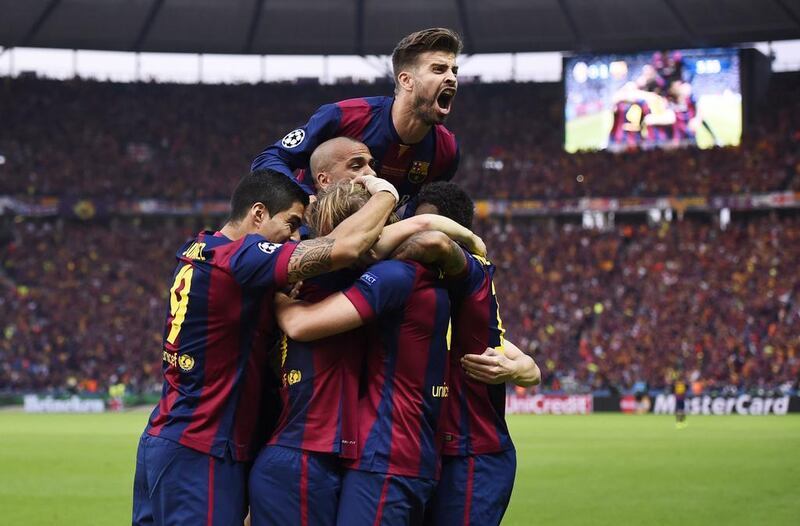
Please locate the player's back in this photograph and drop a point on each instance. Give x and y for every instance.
(319, 381)
(406, 368)
(474, 416)
(219, 328)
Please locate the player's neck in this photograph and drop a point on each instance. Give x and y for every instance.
(408, 125)
(234, 231)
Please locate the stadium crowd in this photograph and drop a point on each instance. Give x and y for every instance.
(80, 309)
(597, 309)
(642, 303)
(90, 139)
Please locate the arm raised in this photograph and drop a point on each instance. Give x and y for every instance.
(349, 240)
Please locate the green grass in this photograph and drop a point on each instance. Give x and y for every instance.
(599, 469)
(588, 132)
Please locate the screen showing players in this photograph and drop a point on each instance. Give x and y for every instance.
(664, 99)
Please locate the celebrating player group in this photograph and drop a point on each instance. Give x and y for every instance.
(355, 374)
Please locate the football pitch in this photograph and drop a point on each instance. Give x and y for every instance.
(594, 470)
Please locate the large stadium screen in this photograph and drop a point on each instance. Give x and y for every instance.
(653, 99)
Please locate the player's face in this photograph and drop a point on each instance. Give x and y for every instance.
(280, 227)
(352, 160)
(435, 86)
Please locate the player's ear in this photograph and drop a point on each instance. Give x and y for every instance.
(405, 80)
(259, 213)
(323, 178)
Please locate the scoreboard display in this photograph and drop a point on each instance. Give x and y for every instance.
(657, 99)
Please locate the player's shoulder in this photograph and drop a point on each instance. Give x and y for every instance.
(443, 132)
(360, 103)
(187, 244)
(394, 271)
(262, 244)
(481, 260)
(201, 246)
(446, 142)
(392, 265)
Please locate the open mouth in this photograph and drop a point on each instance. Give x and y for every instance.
(445, 99)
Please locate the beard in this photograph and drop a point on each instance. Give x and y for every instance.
(424, 108)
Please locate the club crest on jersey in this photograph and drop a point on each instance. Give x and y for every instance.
(186, 362)
(418, 171)
(293, 138)
(293, 376)
(268, 248)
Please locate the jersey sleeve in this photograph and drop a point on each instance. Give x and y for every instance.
(472, 278)
(259, 263)
(384, 287)
(294, 150)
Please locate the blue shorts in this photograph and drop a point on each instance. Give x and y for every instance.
(379, 499)
(175, 484)
(473, 490)
(292, 486)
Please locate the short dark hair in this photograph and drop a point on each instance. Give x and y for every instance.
(432, 39)
(450, 201)
(275, 190)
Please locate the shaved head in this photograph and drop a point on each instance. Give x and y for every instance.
(338, 159)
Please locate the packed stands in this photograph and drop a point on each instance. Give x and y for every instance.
(82, 302)
(90, 139)
(640, 302)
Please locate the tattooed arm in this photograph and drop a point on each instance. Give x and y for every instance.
(433, 248)
(346, 243)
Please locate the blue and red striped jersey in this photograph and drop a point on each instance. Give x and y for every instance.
(684, 113)
(320, 381)
(369, 120)
(473, 420)
(406, 368)
(219, 329)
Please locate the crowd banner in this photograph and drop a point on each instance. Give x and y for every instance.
(549, 404)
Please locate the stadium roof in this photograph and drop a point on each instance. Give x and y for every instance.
(367, 27)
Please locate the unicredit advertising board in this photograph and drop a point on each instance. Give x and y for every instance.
(546, 404)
